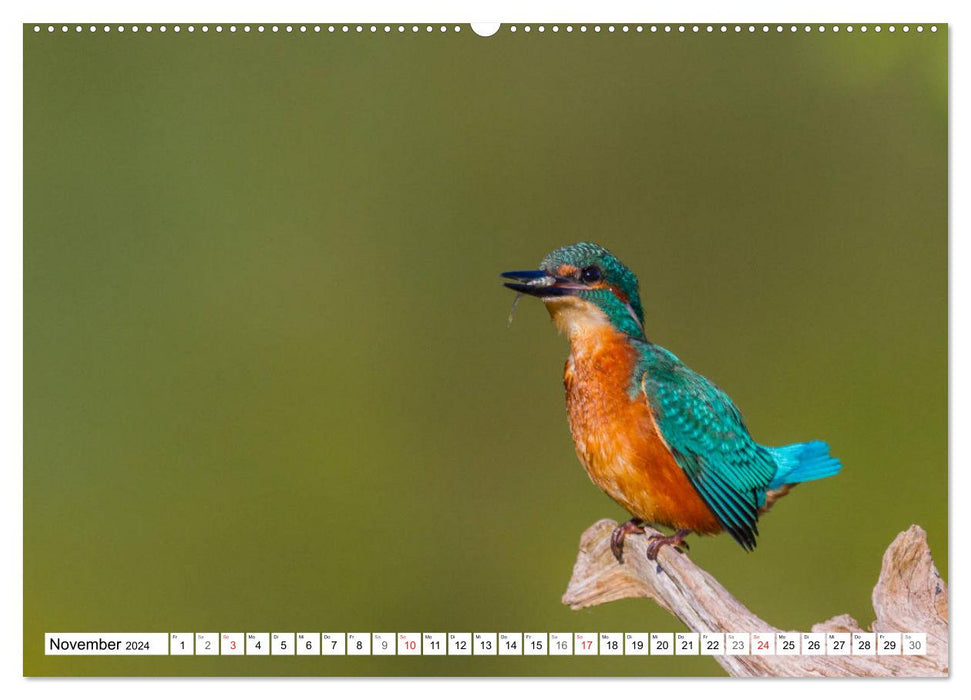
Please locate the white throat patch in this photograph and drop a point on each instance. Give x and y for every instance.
(574, 316)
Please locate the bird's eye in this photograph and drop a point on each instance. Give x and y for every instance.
(590, 274)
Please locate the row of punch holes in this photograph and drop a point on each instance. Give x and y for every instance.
(414, 28)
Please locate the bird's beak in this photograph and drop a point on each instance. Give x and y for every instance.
(539, 283)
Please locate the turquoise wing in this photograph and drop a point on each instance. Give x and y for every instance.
(710, 442)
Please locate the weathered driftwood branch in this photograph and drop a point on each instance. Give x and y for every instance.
(910, 596)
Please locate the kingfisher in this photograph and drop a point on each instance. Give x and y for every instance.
(663, 441)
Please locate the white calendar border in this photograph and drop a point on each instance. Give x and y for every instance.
(11, 420)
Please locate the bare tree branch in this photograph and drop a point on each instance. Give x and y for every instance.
(909, 596)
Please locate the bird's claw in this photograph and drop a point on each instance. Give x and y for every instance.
(632, 526)
(676, 540)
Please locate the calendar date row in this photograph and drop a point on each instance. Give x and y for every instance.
(488, 644)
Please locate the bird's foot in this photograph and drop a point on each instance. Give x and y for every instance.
(657, 541)
(634, 526)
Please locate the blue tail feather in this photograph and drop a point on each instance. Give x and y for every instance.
(803, 461)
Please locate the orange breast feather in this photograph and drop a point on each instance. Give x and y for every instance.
(617, 439)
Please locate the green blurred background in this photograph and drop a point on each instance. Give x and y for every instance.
(269, 384)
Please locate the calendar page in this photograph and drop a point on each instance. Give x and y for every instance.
(546, 349)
